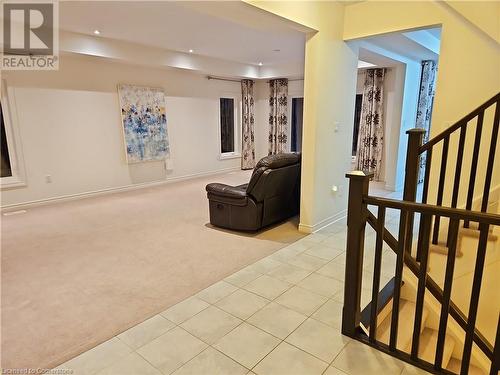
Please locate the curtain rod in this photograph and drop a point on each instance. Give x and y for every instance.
(291, 80)
(223, 79)
(236, 80)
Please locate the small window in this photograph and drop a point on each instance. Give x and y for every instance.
(357, 118)
(226, 125)
(229, 131)
(5, 169)
(297, 110)
(12, 173)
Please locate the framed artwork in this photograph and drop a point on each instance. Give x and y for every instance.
(144, 123)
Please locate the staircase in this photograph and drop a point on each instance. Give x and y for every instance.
(437, 312)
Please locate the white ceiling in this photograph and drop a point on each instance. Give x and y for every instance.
(376, 59)
(402, 45)
(209, 28)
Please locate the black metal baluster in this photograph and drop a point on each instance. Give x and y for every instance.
(425, 192)
(427, 176)
(491, 159)
(442, 175)
(398, 278)
(474, 300)
(412, 167)
(458, 172)
(422, 276)
(473, 168)
(448, 280)
(376, 273)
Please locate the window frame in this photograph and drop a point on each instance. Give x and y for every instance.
(237, 127)
(9, 110)
(354, 157)
(294, 94)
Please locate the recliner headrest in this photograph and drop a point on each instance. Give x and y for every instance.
(272, 162)
(278, 160)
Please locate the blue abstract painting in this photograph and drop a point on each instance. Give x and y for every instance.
(144, 123)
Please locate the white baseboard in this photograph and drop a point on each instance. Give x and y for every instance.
(305, 228)
(94, 193)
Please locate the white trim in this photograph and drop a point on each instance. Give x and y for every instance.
(229, 155)
(9, 109)
(237, 127)
(305, 228)
(292, 95)
(89, 194)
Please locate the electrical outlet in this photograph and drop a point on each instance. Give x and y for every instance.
(48, 179)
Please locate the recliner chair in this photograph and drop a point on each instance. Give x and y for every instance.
(272, 195)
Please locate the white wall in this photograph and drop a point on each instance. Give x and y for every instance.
(466, 51)
(70, 127)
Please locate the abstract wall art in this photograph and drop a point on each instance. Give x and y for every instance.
(144, 123)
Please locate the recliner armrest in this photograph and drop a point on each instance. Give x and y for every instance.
(222, 193)
(226, 190)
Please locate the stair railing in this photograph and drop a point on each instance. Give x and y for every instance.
(428, 228)
(358, 216)
(415, 149)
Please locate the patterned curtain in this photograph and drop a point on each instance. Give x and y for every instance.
(248, 122)
(425, 102)
(371, 126)
(278, 116)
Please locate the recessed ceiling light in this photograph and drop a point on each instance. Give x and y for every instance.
(97, 32)
(191, 51)
(260, 64)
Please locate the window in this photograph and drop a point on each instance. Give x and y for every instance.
(357, 118)
(12, 172)
(5, 168)
(296, 138)
(229, 129)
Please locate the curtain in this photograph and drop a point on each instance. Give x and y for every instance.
(371, 126)
(248, 122)
(424, 108)
(278, 116)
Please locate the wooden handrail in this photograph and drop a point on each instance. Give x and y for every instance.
(426, 146)
(453, 213)
(434, 288)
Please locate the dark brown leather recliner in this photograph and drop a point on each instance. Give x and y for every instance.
(272, 195)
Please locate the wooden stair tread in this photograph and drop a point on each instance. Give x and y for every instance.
(405, 325)
(455, 364)
(427, 346)
(443, 249)
(473, 232)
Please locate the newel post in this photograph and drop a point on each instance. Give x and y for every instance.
(415, 138)
(356, 222)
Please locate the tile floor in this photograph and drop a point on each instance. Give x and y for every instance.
(278, 316)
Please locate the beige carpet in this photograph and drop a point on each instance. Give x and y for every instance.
(75, 274)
